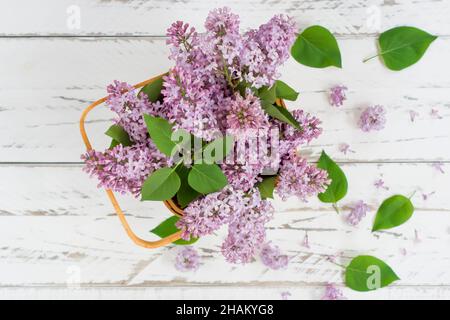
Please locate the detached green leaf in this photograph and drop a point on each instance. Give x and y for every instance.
(402, 47)
(153, 89)
(338, 187)
(266, 187)
(280, 113)
(393, 212)
(168, 227)
(207, 178)
(161, 185)
(185, 194)
(367, 273)
(317, 47)
(284, 91)
(218, 149)
(160, 131)
(119, 136)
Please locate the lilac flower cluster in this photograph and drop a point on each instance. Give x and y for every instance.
(123, 169)
(187, 260)
(199, 90)
(338, 96)
(298, 178)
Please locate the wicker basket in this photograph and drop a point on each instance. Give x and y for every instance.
(170, 204)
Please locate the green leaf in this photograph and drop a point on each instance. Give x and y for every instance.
(168, 227)
(402, 47)
(280, 113)
(393, 212)
(207, 178)
(113, 144)
(367, 273)
(161, 185)
(266, 187)
(317, 47)
(338, 187)
(119, 135)
(284, 91)
(153, 89)
(268, 94)
(185, 194)
(218, 149)
(160, 131)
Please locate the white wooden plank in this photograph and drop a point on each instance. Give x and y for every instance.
(43, 94)
(218, 292)
(57, 230)
(136, 17)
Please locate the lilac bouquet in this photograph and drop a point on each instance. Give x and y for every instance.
(213, 133)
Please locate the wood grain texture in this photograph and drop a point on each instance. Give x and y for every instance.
(76, 239)
(59, 236)
(143, 18)
(43, 94)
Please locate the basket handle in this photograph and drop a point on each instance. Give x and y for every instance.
(139, 241)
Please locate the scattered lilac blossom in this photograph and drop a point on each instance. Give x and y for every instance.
(438, 166)
(333, 293)
(380, 184)
(285, 295)
(345, 148)
(298, 178)
(434, 113)
(426, 196)
(187, 260)
(403, 251)
(272, 257)
(373, 118)
(417, 238)
(412, 115)
(358, 211)
(338, 95)
(305, 242)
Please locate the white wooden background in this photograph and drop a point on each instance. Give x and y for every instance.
(59, 237)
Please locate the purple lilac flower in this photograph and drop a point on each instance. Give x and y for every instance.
(435, 114)
(417, 238)
(333, 293)
(187, 260)
(246, 232)
(245, 114)
(274, 39)
(124, 169)
(438, 166)
(345, 148)
(285, 295)
(338, 96)
(222, 21)
(293, 138)
(358, 211)
(298, 178)
(272, 257)
(373, 118)
(379, 184)
(305, 242)
(412, 115)
(209, 213)
(242, 177)
(426, 196)
(130, 108)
